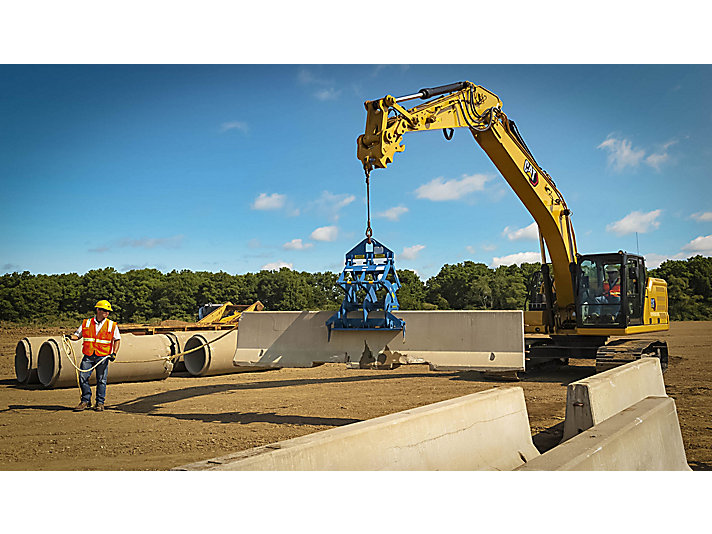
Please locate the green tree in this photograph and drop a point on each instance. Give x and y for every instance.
(411, 295)
(463, 286)
(283, 290)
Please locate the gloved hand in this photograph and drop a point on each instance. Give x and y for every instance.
(112, 356)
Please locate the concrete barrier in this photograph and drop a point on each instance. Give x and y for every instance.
(643, 437)
(595, 399)
(447, 340)
(488, 430)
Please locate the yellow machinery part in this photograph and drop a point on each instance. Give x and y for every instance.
(229, 313)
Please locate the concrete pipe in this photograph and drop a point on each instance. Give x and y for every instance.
(140, 358)
(178, 341)
(213, 359)
(26, 353)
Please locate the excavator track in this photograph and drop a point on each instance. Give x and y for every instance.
(621, 351)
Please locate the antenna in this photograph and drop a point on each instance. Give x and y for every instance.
(637, 245)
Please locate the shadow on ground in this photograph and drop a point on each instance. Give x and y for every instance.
(563, 374)
(700, 466)
(259, 417)
(48, 408)
(548, 438)
(150, 403)
(13, 383)
(552, 373)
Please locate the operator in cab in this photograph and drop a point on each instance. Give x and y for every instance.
(611, 287)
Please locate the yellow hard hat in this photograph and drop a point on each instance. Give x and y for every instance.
(104, 305)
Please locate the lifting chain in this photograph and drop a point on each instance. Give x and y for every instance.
(369, 232)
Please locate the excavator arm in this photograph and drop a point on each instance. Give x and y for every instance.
(466, 105)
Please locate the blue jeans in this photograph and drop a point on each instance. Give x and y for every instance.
(102, 373)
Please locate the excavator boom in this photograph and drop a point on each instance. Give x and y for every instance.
(466, 105)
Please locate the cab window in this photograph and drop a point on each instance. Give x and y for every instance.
(599, 293)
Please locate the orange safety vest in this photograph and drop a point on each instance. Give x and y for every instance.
(100, 342)
(614, 291)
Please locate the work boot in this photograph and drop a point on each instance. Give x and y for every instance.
(99, 407)
(81, 406)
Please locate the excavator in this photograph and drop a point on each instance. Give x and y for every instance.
(579, 306)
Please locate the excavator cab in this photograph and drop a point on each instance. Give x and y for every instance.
(610, 290)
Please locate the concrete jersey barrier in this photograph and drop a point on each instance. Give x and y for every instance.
(595, 399)
(488, 430)
(447, 340)
(643, 437)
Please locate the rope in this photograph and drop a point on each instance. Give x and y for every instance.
(201, 346)
(69, 349)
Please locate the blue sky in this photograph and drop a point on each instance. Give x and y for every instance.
(244, 167)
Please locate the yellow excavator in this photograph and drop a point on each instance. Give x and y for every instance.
(576, 302)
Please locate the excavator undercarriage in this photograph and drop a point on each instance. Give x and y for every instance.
(620, 351)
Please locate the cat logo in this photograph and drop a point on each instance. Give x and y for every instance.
(531, 171)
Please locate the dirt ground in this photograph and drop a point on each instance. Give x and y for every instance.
(164, 424)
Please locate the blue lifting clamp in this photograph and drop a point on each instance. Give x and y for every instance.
(367, 268)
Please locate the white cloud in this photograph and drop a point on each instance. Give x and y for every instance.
(264, 201)
(327, 91)
(135, 266)
(297, 244)
(393, 214)
(470, 249)
(439, 189)
(276, 266)
(653, 261)
(325, 233)
(656, 160)
(379, 68)
(143, 242)
(636, 221)
(517, 259)
(622, 154)
(235, 125)
(700, 245)
(702, 216)
(148, 242)
(331, 204)
(327, 94)
(488, 247)
(410, 253)
(520, 234)
(306, 77)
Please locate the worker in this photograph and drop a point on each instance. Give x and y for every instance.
(101, 343)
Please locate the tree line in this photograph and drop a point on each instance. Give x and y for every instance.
(148, 295)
